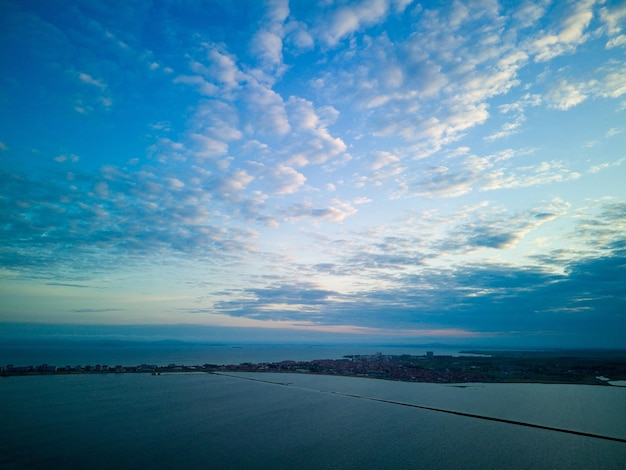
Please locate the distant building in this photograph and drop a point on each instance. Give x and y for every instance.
(429, 354)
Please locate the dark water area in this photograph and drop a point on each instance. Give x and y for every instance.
(212, 421)
(62, 353)
(241, 420)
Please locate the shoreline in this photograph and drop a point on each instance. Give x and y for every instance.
(542, 367)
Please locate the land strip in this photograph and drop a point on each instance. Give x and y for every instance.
(571, 367)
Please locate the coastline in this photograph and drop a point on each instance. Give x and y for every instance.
(545, 367)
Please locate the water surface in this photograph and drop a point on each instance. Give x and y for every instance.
(210, 421)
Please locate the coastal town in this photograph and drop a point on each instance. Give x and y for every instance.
(573, 367)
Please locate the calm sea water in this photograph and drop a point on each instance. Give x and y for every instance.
(62, 354)
(211, 421)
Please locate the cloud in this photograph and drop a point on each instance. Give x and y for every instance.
(267, 114)
(97, 310)
(337, 211)
(65, 284)
(382, 159)
(604, 166)
(613, 16)
(95, 222)
(268, 46)
(530, 12)
(288, 301)
(489, 298)
(489, 173)
(442, 182)
(208, 147)
(204, 87)
(234, 183)
(569, 35)
(350, 18)
(614, 83)
(86, 78)
(267, 43)
(102, 98)
(500, 231)
(565, 95)
(377, 113)
(517, 109)
(322, 146)
(617, 41)
(286, 180)
(67, 158)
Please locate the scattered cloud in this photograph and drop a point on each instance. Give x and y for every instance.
(570, 33)
(565, 95)
(363, 166)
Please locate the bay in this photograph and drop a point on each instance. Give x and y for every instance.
(215, 421)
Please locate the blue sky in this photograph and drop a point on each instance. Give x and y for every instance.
(378, 170)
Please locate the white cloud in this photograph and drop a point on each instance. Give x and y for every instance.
(88, 98)
(298, 35)
(286, 180)
(348, 19)
(617, 41)
(204, 87)
(267, 111)
(316, 144)
(530, 11)
(235, 183)
(507, 129)
(613, 131)
(361, 200)
(382, 159)
(528, 176)
(337, 211)
(517, 109)
(400, 5)
(86, 78)
(267, 43)
(224, 69)
(64, 157)
(217, 119)
(278, 11)
(614, 83)
(613, 17)
(268, 47)
(570, 34)
(604, 166)
(489, 173)
(207, 147)
(175, 183)
(565, 95)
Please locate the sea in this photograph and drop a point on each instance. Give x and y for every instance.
(64, 353)
(295, 421)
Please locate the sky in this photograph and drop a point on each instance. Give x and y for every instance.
(375, 170)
